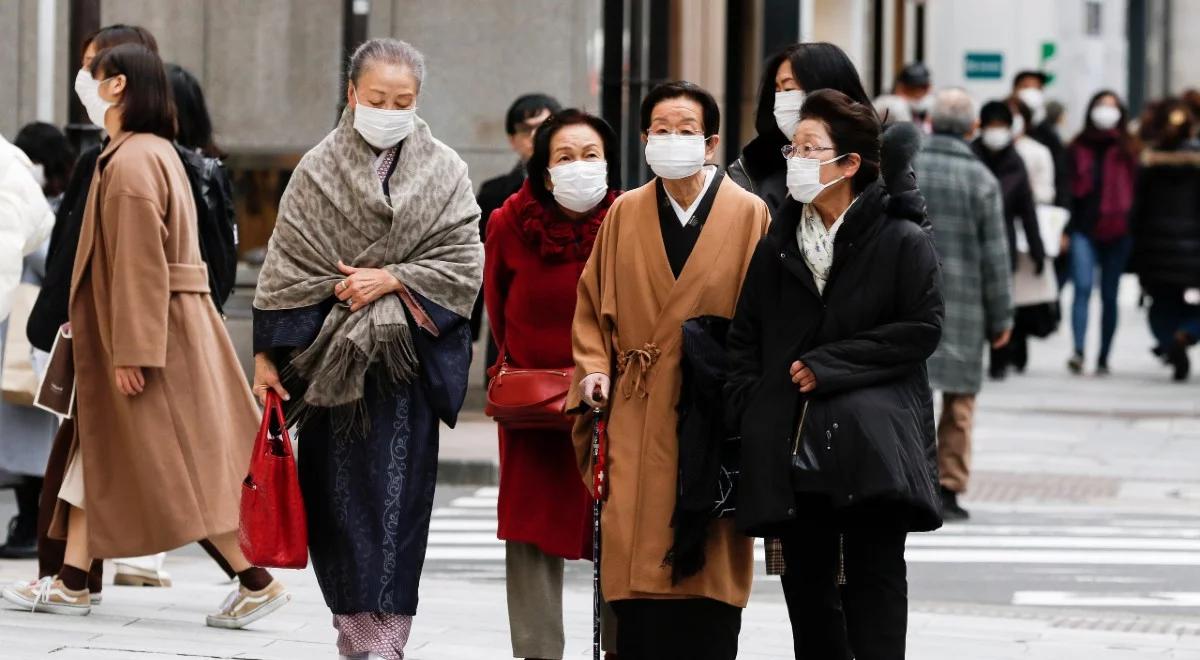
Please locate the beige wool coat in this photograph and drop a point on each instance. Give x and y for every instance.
(628, 324)
(163, 468)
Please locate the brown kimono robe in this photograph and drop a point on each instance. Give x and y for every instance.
(628, 324)
(162, 468)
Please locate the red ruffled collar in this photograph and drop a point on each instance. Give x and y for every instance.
(555, 237)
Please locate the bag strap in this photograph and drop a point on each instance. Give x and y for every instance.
(273, 411)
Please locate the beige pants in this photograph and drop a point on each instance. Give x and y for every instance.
(534, 584)
(954, 440)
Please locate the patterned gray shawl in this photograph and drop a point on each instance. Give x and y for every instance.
(334, 208)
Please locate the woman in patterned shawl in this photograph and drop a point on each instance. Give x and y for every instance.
(360, 323)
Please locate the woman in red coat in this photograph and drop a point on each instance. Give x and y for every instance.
(537, 245)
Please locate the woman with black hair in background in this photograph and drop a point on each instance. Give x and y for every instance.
(1102, 161)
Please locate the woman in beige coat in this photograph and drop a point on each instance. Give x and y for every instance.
(165, 419)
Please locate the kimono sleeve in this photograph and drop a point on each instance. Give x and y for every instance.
(134, 233)
(591, 330)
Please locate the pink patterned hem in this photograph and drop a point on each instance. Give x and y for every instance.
(385, 635)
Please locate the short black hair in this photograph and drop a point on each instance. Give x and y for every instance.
(854, 128)
(146, 106)
(46, 145)
(1029, 73)
(995, 111)
(915, 74)
(711, 112)
(528, 106)
(816, 66)
(117, 34)
(195, 129)
(539, 162)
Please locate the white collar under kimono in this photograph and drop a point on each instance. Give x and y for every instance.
(685, 215)
(816, 242)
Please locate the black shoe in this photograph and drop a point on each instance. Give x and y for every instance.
(1075, 364)
(951, 511)
(22, 541)
(1103, 370)
(997, 372)
(1178, 358)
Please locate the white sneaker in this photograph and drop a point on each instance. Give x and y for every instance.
(243, 607)
(49, 595)
(141, 572)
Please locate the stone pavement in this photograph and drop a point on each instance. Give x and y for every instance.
(1085, 456)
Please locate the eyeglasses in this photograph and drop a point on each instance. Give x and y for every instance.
(792, 151)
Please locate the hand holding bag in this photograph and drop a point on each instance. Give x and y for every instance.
(528, 398)
(274, 531)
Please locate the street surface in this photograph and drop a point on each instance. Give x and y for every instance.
(1084, 543)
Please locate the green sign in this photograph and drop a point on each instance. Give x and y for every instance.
(1049, 50)
(985, 66)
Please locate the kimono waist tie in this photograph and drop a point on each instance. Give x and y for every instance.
(635, 363)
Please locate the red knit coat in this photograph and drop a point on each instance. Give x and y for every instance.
(534, 257)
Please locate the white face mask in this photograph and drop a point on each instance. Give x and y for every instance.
(922, 106)
(1105, 117)
(87, 89)
(579, 185)
(804, 178)
(1035, 100)
(675, 156)
(787, 111)
(383, 129)
(996, 139)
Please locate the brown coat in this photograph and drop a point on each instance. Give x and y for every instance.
(629, 300)
(163, 468)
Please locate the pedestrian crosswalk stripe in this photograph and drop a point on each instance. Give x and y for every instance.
(1103, 599)
(465, 531)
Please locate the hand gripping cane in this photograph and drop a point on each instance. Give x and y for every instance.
(600, 492)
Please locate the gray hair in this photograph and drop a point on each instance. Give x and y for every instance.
(953, 112)
(387, 51)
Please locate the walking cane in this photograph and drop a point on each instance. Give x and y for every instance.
(600, 492)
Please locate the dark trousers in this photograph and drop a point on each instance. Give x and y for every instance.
(1170, 313)
(867, 617)
(679, 629)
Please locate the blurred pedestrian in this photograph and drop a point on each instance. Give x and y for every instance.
(521, 122)
(915, 84)
(1029, 87)
(537, 245)
(1166, 232)
(1102, 161)
(683, 240)
(26, 432)
(966, 205)
(1039, 162)
(371, 329)
(833, 359)
(892, 109)
(50, 310)
(142, 321)
(788, 76)
(996, 149)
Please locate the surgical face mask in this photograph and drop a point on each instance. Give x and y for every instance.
(87, 89)
(383, 129)
(996, 139)
(804, 178)
(787, 111)
(922, 106)
(579, 185)
(1105, 117)
(1035, 99)
(39, 174)
(675, 156)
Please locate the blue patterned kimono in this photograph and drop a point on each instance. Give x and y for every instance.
(369, 495)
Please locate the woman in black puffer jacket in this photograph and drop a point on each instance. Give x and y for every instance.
(840, 309)
(1166, 232)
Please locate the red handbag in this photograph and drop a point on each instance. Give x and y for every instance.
(273, 531)
(526, 399)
